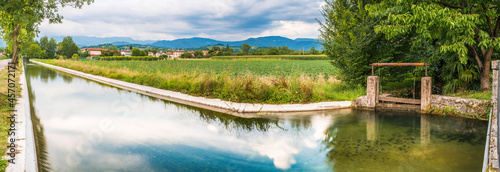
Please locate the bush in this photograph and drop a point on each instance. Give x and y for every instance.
(75, 57)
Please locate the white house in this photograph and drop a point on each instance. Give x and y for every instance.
(93, 51)
(126, 52)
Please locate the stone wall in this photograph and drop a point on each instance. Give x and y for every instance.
(471, 108)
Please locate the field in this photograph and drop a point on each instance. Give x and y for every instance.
(232, 67)
(252, 81)
(281, 57)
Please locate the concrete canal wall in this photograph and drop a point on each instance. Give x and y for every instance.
(491, 149)
(25, 158)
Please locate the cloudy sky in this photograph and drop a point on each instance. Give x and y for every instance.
(227, 20)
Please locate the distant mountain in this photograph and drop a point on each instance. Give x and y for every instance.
(88, 41)
(274, 41)
(186, 43)
(268, 41)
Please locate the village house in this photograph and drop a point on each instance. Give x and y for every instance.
(2, 53)
(177, 53)
(170, 54)
(151, 54)
(205, 52)
(126, 52)
(92, 51)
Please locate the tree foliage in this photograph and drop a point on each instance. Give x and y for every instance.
(18, 15)
(49, 46)
(466, 28)
(34, 51)
(136, 52)
(68, 47)
(245, 48)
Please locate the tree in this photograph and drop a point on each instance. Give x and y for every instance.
(130, 47)
(313, 51)
(34, 51)
(136, 52)
(348, 37)
(198, 54)
(112, 48)
(17, 15)
(48, 46)
(466, 28)
(245, 48)
(186, 55)
(68, 47)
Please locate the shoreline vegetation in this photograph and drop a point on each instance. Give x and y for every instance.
(245, 81)
(6, 110)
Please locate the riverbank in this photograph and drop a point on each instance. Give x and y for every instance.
(16, 131)
(241, 81)
(207, 103)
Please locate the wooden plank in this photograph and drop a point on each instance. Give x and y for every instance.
(398, 64)
(400, 100)
(398, 107)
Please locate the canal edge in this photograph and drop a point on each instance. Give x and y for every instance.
(26, 158)
(207, 103)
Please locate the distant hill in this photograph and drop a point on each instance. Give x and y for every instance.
(89, 41)
(274, 41)
(268, 41)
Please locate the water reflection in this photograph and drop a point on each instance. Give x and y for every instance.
(89, 126)
(38, 130)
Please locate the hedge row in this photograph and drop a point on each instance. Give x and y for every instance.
(124, 58)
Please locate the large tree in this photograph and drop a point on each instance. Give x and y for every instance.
(68, 47)
(245, 48)
(466, 28)
(28, 14)
(49, 47)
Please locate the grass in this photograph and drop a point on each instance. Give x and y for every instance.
(481, 95)
(5, 111)
(249, 81)
(258, 67)
(282, 57)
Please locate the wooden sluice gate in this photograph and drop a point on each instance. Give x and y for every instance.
(375, 101)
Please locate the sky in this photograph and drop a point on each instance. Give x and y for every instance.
(225, 20)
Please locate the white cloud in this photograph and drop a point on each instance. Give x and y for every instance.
(226, 20)
(293, 29)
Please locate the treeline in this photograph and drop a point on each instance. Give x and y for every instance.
(50, 49)
(246, 49)
(457, 41)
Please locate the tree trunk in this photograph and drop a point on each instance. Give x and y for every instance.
(485, 72)
(15, 49)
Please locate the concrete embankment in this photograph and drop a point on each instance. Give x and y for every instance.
(207, 103)
(25, 157)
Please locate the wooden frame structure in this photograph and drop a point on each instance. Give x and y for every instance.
(399, 100)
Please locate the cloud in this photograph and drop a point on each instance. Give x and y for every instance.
(293, 29)
(169, 19)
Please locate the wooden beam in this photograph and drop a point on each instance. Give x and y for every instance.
(400, 100)
(398, 64)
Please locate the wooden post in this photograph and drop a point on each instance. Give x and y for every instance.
(426, 91)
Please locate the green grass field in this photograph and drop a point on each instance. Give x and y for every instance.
(233, 67)
(249, 81)
(282, 57)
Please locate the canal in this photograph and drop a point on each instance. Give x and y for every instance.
(82, 125)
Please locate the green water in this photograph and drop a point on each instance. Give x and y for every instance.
(81, 125)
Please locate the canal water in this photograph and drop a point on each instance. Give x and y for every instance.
(81, 125)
